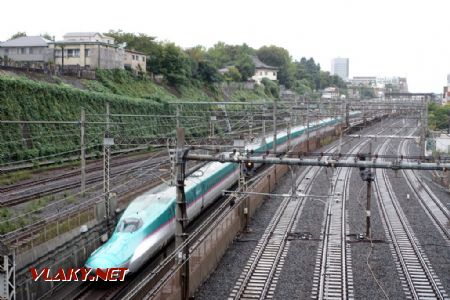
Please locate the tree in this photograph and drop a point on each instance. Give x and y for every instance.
(175, 65)
(140, 42)
(18, 35)
(233, 74)
(207, 73)
(47, 36)
(246, 67)
(278, 57)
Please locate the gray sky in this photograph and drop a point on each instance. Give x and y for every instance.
(381, 38)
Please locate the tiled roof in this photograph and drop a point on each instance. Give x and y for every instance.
(260, 65)
(70, 34)
(26, 41)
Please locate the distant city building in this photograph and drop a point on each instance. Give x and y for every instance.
(263, 71)
(446, 95)
(330, 93)
(379, 85)
(340, 67)
(366, 81)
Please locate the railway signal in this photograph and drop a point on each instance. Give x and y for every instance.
(249, 166)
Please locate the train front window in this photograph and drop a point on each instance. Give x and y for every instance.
(129, 225)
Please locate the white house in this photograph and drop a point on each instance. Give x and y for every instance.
(263, 71)
(330, 93)
(443, 143)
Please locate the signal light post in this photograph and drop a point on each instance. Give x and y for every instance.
(181, 214)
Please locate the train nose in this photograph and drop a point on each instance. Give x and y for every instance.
(103, 262)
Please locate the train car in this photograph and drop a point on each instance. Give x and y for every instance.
(148, 223)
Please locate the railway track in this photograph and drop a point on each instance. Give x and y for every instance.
(261, 273)
(416, 273)
(333, 277)
(432, 206)
(25, 192)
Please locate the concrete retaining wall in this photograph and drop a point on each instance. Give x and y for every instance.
(207, 254)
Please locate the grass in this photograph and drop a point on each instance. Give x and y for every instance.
(13, 177)
(70, 198)
(39, 203)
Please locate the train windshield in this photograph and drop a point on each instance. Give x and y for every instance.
(129, 225)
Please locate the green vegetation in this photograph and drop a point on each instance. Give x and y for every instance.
(13, 177)
(172, 73)
(28, 100)
(123, 83)
(198, 64)
(8, 226)
(438, 116)
(39, 203)
(303, 76)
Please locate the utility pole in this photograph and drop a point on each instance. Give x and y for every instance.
(307, 126)
(347, 115)
(178, 116)
(7, 273)
(83, 151)
(340, 131)
(288, 145)
(274, 117)
(251, 121)
(369, 195)
(181, 215)
(212, 120)
(423, 125)
(107, 143)
(264, 126)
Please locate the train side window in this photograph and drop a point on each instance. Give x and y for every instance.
(129, 225)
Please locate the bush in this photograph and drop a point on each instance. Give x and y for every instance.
(271, 88)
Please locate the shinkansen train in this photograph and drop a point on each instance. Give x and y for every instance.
(148, 223)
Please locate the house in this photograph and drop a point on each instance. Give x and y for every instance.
(330, 93)
(135, 61)
(263, 71)
(30, 51)
(88, 50)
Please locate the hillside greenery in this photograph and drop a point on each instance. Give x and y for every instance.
(173, 74)
(23, 99)
(183, 66)
(438, 116)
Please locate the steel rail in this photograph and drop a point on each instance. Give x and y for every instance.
(403, 240)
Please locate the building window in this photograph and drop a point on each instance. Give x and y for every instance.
(133, 57)
(266, 73)
(73, 53)
(31, 51)
(6, 51)
(143, 58)
(22, 50)
(274, 74)
(86, 53)
(58, 52)
(260, 73)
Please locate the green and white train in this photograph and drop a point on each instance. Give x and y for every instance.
(148, 223)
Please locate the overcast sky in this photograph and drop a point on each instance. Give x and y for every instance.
(380, 37)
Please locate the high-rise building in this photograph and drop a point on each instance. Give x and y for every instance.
(339, 67)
